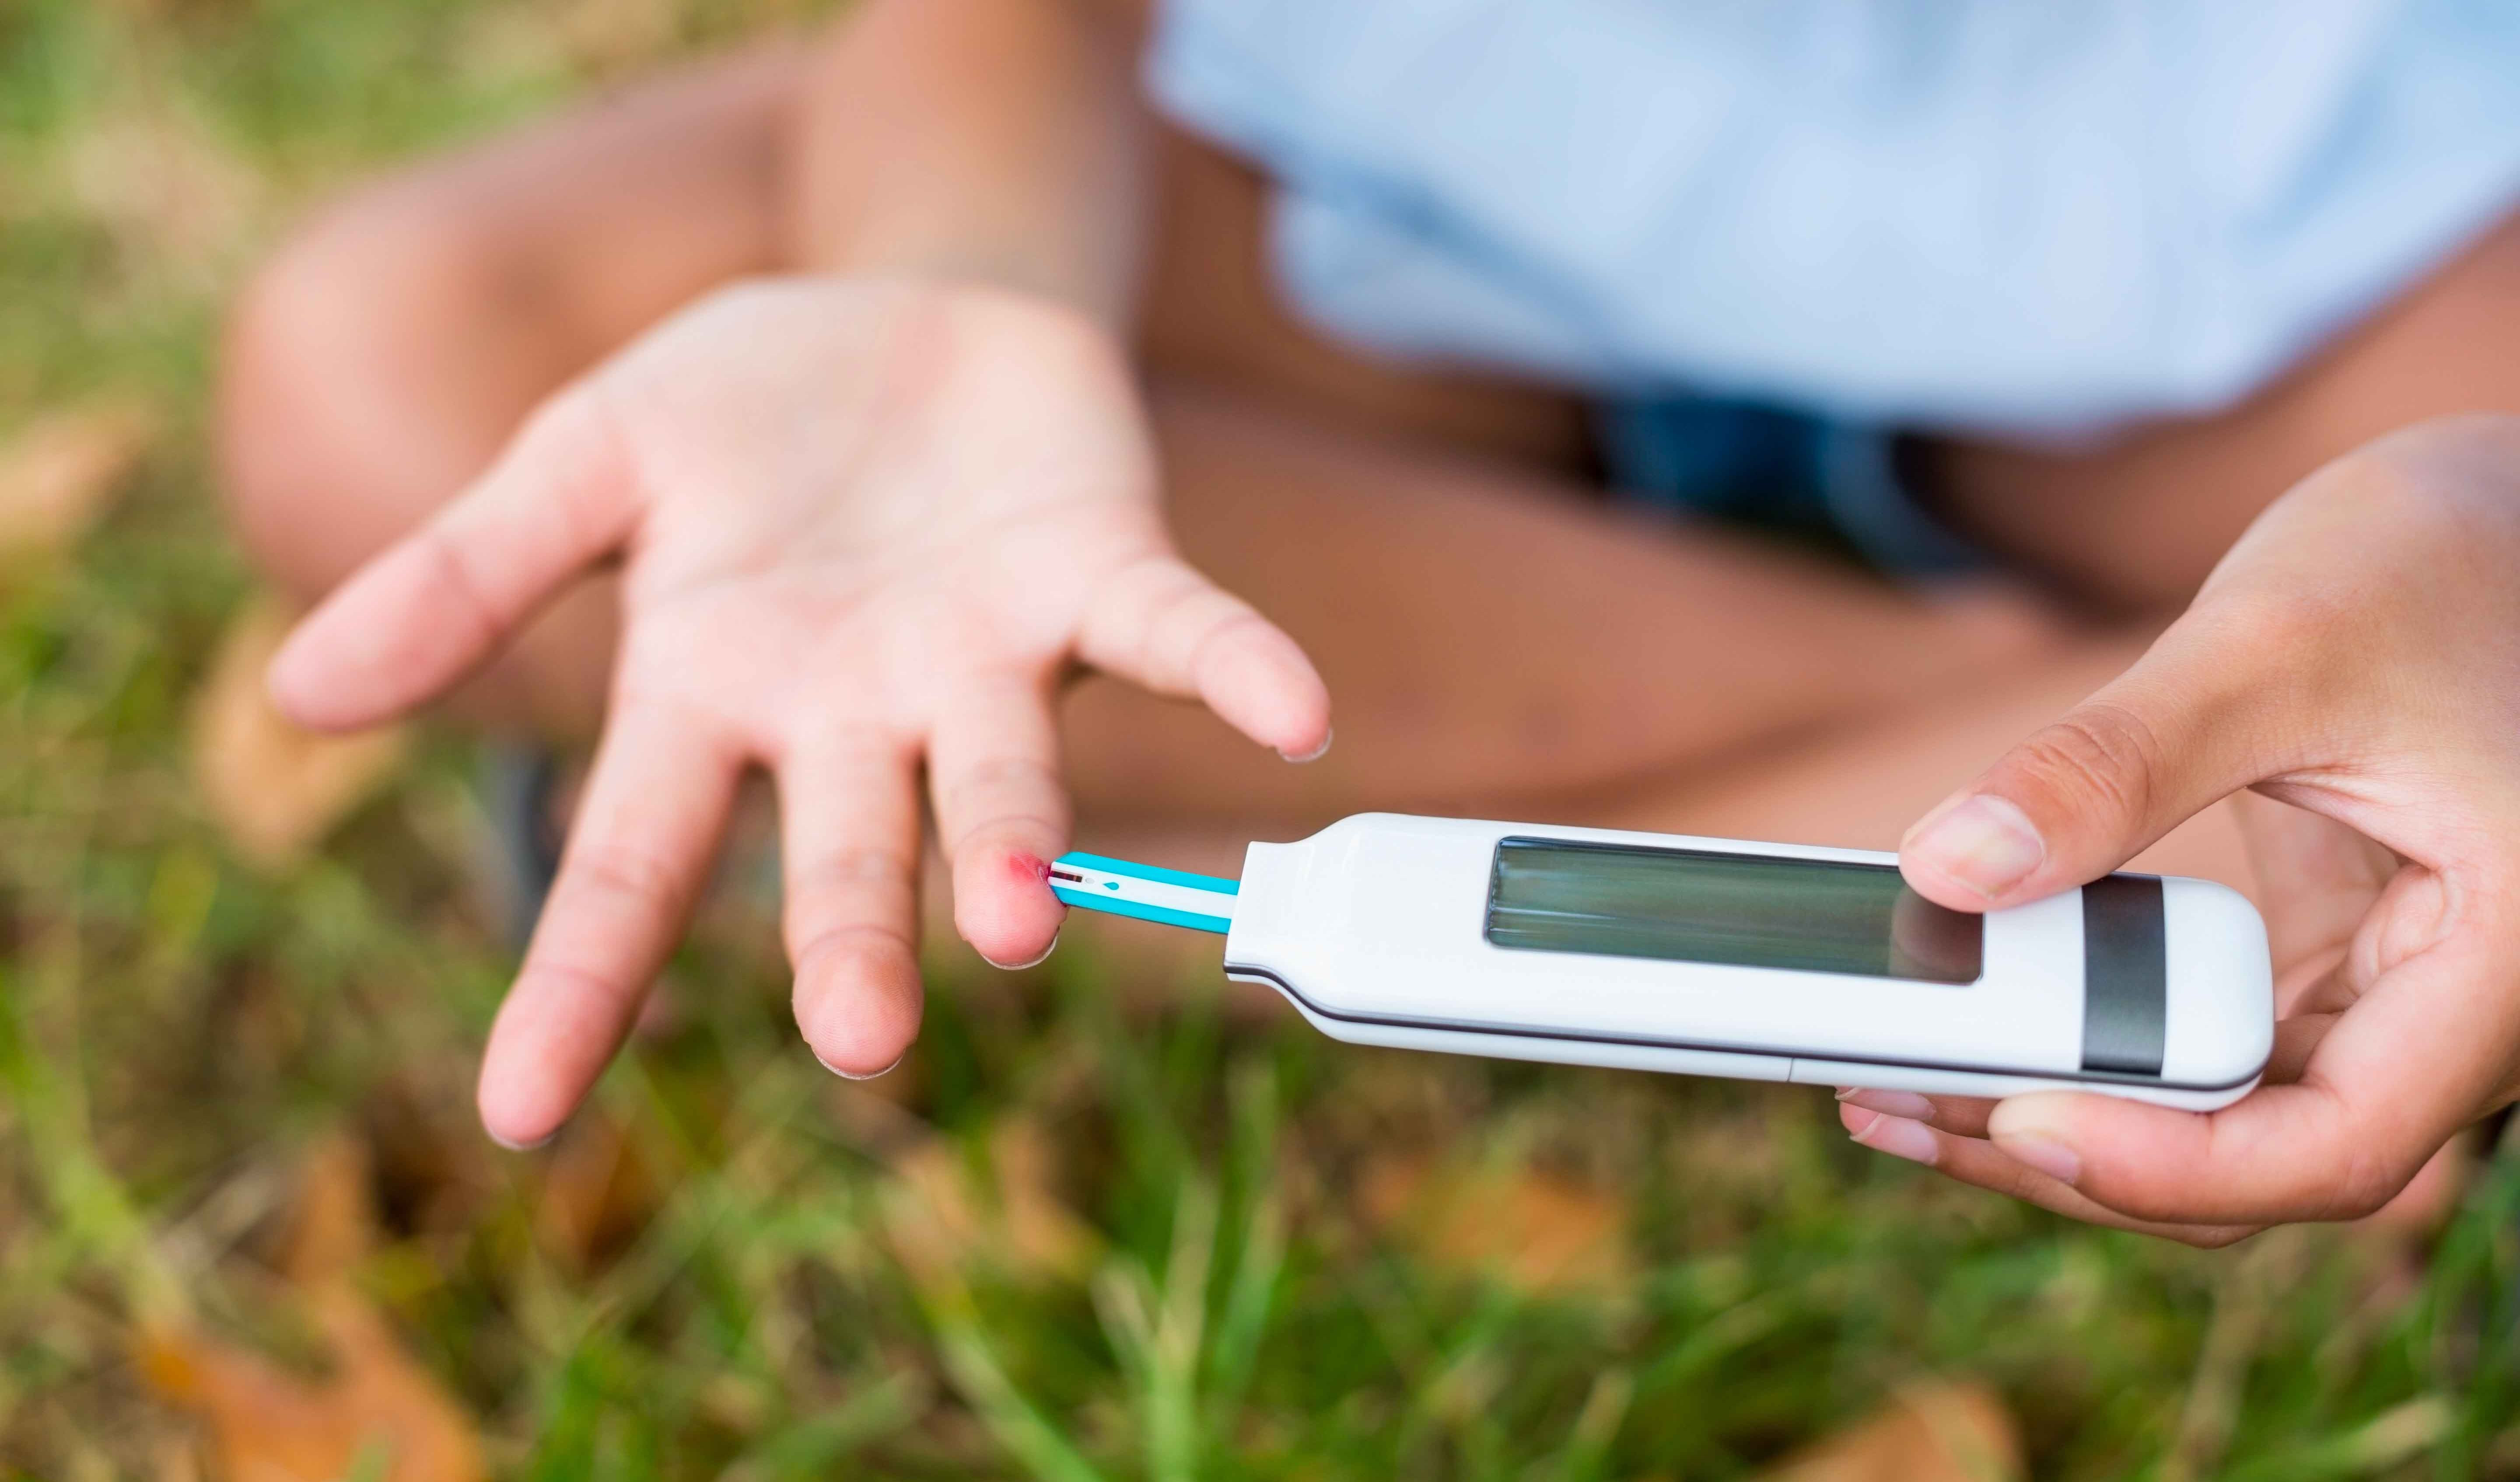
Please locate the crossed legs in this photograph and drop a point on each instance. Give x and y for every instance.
(1496, 637)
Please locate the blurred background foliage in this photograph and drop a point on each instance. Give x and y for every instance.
(1109, 1220)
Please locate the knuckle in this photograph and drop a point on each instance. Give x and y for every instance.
(575, 977)
(857, 873)
(459, 580)
(1028, 831)
(629, 873)
(577, 438)
(1027, 778)
(2363, 1185)
(1178, 614)
(2101, 753)
(1235, 622)
(1170, 638)
(873, 943)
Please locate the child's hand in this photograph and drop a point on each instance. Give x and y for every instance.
(863, 526)
(2357, 657)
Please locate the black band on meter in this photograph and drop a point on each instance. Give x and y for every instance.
(2126, 977)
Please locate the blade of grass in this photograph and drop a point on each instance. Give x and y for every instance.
(972, 1364)
(1596, 1426)
(1172, 1391)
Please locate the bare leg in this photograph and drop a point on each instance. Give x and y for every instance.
(1489, 636)
(386, 354)
(2137, 524)
(1857, 785)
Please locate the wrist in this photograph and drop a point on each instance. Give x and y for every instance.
(989, 141)
(979, 263)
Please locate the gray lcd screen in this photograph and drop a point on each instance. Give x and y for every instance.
(1742, 910)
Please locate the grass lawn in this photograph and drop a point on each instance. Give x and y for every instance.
(1107, 1223)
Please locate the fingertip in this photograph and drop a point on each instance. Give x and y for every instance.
(1004, 907)
(518, 1144)
(358, 660)
(1269, 690)
(858, 1004)
(861, 1075)
(1899, 1137)
(545, 1051)
(1315, 754)
(1304, 732)
(285, 681)
(2040, 1114)
(299, 684)
(1972, 852)
(1940, 888)
(2043, 1130)
(517, 1118)
(1897, 1104)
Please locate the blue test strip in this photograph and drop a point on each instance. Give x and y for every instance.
(1147, 892)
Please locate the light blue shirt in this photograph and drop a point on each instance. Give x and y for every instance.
(2028, 216)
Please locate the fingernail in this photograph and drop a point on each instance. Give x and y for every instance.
(2029, 1130)
(1897, 1104)
(1900, 1138)
(1315, 754)
(852, 1075)
(1984, 842)
(2047, 1154)
(1019, 966)
(541, 1142)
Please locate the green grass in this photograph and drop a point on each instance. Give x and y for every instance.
(174, 1027)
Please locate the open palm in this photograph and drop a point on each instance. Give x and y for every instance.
(865, 527)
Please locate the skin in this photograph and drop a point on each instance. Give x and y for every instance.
(2373, 719)
(631, 392)
(990, 538)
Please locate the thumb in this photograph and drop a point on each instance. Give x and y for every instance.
(441, 600)
(2177, 731)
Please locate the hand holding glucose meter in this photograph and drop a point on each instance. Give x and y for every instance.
(1719, 957)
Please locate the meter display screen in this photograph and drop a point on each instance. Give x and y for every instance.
(1739, 910)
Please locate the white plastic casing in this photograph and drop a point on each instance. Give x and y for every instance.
(1375, 929)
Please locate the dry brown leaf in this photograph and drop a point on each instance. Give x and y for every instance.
(942, 1216)
(60, 473)
(1939, 1432)
(275, 788)
(333, 1216)
(267, 1424)
(598, 1193)
(175, 1458)
(1528, 1228)
(172, 195)
(614, 35)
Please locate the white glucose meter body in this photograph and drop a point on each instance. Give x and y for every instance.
(1726, 958)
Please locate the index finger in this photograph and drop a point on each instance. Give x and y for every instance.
(1162, 624)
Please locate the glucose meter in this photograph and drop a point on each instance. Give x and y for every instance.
(1726, 958)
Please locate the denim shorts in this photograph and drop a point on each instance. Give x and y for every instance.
(1774, 468)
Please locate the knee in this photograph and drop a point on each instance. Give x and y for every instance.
(342, 389)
